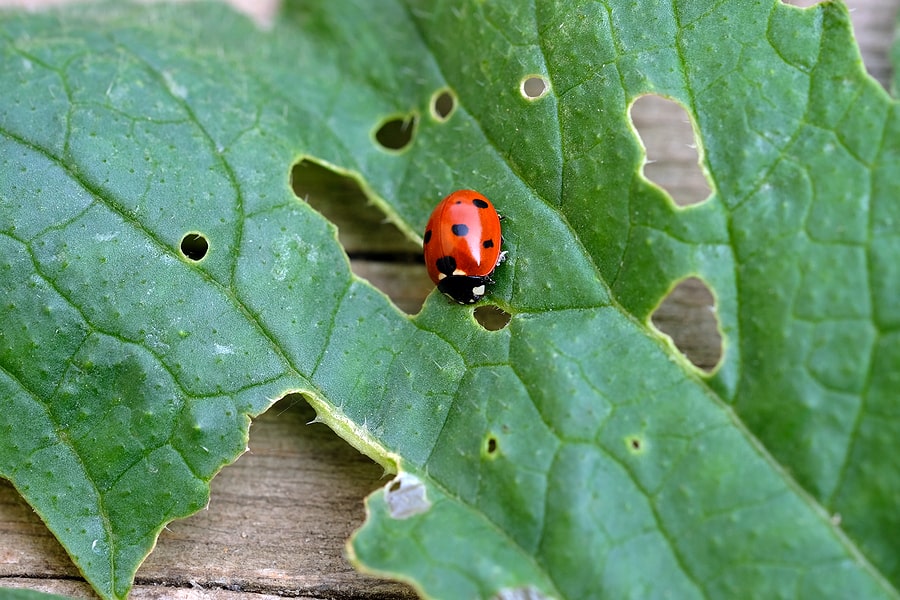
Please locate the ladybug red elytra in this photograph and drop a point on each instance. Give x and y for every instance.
(462, 245)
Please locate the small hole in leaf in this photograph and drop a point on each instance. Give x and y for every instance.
(635, 444)
(491, 317)
(194, 246)
(378, 251)
(442, 105)
(534, 87)
(688, 315)
(491, 446)
(673, 159)
(396, 133)
(406, 496)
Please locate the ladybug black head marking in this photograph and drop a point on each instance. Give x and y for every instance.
(465, 289)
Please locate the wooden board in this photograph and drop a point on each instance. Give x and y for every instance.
(279, 517)
(276, 524)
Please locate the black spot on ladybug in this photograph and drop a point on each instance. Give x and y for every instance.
(480, 203)
(446, 265)
(427, 236)
(460, 229)
(487, 244)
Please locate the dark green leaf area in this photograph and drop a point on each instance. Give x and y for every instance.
(885, 245)
(457, 326)
(798, 241)
(41, 328)
(445, 536)
(117, 452)
(304, 277)
(92, 262)
(547, 267)
(626, 434)
(31, 201)
(494, 452)
(567, 445)
(506, 37)
(817, 335)
(128, 372)
(35, 103)
(409, 374)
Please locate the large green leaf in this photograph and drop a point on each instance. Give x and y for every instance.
(20, 594)
(572, 453)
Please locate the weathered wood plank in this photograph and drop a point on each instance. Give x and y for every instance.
(276, 524)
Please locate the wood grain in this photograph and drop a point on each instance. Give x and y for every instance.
(279, 517)
(276, 524)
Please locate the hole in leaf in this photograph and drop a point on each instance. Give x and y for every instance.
(194, 246)
(672, 157)
(378, 251)
(396, 133)
(491, 317)
(442, 104)
(406, 496)
(490, 445)
(534, 87)
(635, 444)
(688, 316)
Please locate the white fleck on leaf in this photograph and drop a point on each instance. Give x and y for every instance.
(406, 496)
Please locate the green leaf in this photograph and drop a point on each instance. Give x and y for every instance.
(572, 453)
(21, 594)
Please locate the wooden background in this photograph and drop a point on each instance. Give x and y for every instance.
(279, 517)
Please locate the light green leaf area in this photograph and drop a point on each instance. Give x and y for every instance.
(23, 594)
(573, 453)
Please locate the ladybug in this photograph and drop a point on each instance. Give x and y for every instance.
(462, 245)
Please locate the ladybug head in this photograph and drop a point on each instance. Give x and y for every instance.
(465, 289)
